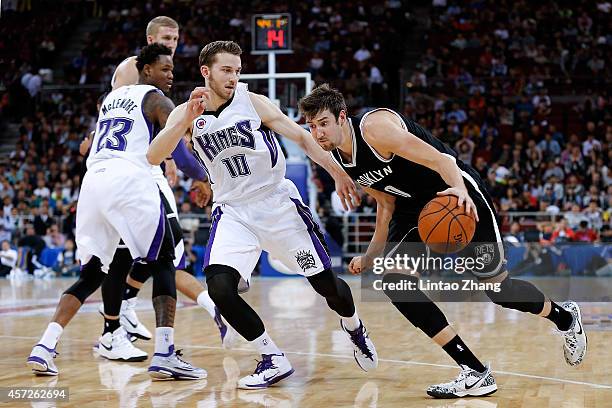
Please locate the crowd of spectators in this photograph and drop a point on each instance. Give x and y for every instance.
(564, 44)
(517, 89)
(354, 44)
(31, 37)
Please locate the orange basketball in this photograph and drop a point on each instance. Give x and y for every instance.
(444, 226)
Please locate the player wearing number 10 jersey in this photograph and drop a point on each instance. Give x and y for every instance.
(256, 208)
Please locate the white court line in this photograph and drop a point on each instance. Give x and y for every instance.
(386, 360)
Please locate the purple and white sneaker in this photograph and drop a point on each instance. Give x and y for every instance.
(270, 370)
(170, 366)
(229, 336)
(41, 360)
(363, 348)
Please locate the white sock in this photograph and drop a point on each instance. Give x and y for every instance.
(264, 345)
(164, 338)
(206, 302)
(51, 335)
(351, 323)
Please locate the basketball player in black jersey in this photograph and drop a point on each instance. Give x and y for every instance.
(403, 166)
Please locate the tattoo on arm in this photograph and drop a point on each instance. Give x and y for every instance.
(164, 306)
(157, 108)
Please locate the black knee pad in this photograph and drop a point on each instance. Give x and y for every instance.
(325, 283)
(140, 272)
(90, 280)
(164, 277)
(416, 306)
(335, 291)
(518, 295)
(222, 282)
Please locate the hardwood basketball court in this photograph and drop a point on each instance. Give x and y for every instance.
(526, 356)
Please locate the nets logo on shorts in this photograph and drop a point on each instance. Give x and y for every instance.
(200, 123)
(305, 260)
(485, 252)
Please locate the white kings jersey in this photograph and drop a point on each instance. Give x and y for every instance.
(122, 129)
(241, 156)
(157, 172)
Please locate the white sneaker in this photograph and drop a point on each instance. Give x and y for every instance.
(270, 370)
(364, 350)
(41, 362)
(129, 320)
(468, 383)
(171, 366)
(117, 346)
(575, 337)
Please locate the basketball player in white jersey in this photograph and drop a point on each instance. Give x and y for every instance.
(256, 207)
(119, 200)
(165, 30)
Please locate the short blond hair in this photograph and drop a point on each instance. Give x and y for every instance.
(161, 21)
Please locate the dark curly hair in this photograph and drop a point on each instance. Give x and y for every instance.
(150, 54)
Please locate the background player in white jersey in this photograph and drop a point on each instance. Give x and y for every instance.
(120, 200)
(256, 208)
(165, 30)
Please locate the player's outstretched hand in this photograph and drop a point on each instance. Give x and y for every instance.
(463, 197)
(196, 105)
(345, 187)
(203, 192)
(357, 265)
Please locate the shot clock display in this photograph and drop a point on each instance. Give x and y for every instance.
(271, 33)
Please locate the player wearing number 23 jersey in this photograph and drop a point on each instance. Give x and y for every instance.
(119, 197)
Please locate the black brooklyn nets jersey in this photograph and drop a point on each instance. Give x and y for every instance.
(411, 183)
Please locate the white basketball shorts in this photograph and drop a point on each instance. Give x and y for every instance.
(119, 200)
(278, 222)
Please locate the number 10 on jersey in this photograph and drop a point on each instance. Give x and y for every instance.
(237, 165)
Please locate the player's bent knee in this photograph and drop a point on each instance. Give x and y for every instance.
(164, 279)
(140, 272)
(90, 280)
(325, 283)
(518, 295)
(222, 282)
(414, 304)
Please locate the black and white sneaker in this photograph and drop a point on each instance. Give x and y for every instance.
(117, 346)
(575, 337)
(129, 320)
(468, 383)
